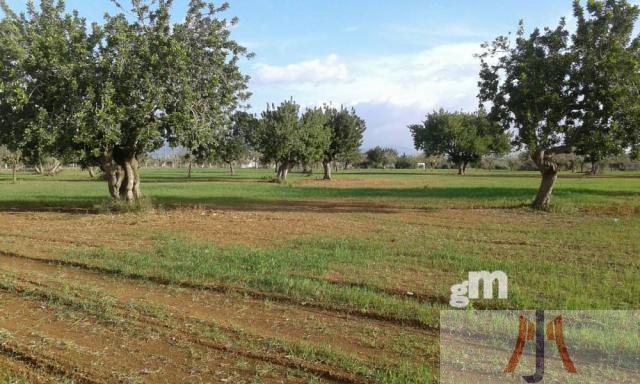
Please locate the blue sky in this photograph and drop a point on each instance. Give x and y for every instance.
(393, 61)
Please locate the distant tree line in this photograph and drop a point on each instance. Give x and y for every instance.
(106, 95)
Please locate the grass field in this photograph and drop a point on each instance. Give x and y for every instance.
(237, 279)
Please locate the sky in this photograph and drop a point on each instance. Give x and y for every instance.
(393, 61)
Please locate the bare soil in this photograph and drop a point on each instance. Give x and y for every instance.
(170, 340)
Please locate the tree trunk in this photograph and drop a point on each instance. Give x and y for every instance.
(549, 170)
(233, 171)
(137, 194)
(92, 172)
(595, 168)
(123, 178)
(190, 165)
(283, 171)
(126, 188)
(14, 169)
(55, 169)
(114, 176)
(461, 168)
(326, 165)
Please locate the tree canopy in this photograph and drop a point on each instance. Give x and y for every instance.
(124, 89)
(347, 130)
(563, 94)
(603, 57)
(461, 137)
(288, 139)
(43, 56)
(379, 157)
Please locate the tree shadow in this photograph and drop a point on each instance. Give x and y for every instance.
(315, 199)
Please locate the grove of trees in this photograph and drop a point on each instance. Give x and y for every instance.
(113, 92)
(108, 94)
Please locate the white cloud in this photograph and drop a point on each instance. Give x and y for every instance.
(443, 76)
(389, 92)
(329, 69)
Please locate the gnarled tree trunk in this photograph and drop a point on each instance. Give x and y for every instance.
(113, 174)
(123, 178)
(231, 169)
(54, 169)
(462, 167)
(326, 165)
(549, 171)
(283, 171)
(595, 168)
(135, 166)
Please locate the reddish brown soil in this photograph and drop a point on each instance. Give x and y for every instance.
(254, 228)
(86, 350)
(169, 343)
(262, 318)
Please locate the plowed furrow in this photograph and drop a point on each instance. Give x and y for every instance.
(230, 289)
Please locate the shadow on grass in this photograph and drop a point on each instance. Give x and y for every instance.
(314, 199)
(294, 199)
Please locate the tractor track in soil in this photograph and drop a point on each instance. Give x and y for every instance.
(88, 351)
(142, 322)
(226, 289)
(175, 296)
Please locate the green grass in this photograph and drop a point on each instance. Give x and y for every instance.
(273, 271)
(434, 189)
(7, 378)
(581, 255)
(543, 276)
